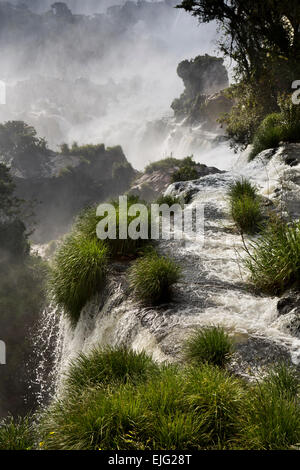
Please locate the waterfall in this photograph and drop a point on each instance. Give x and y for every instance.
(213, 290)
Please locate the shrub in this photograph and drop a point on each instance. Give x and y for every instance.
(78, 273)
(99, 419)
(152, 277)
(210, 345)
(17, 434)
(268, 135)
(175, 408)
(274, 258)
(277, 127)
(164, 164)
(186, 172)
(104, 366)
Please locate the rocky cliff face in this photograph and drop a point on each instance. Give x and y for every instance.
(60, 185)
(152, 184)
(201, 101)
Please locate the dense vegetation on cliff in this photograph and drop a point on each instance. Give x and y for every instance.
(264, 41)
(22, 294)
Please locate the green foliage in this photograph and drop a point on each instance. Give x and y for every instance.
(272, 413)
(152, 277)
(86, 225)
(22, 293)
(210, 345)
(108, 365)
(277, 127)
(17, 434)
(135, 405)
(18, 139)
(78, 273)
(164, 164)
(253, 102)
(241, 188)
(8, 203)
(274, 258)
(245, 206)
(172, 410)
(284, 379)
(99, 419)
(88, 151)
(169, 200)
(246, 212)
(219, 398)
(186, 172)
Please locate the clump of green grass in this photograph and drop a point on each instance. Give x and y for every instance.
(247, 214)
(87, 222)
(218, 397)
(186, 172)
(284, 379)
(271, 418)
(174, 409)
(128, 404)
(172, 422)
(210, 345)
(17, 434)
(152, 277)
(273, 260)
(78, 272)
(169, 200)
(245, 206)
(99, 419)
(241, 188)
(109, 365)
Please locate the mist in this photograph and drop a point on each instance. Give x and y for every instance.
(102, 78)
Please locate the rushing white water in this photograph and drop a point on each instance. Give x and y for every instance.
(213, 289)
(183, 140)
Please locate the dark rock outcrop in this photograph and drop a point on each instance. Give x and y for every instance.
(151, 185)
(289, 302)
(201, 101)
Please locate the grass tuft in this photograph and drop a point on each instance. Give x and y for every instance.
(87, 222)
(107, 365)
(272, 416)
(152, 277)
(245, 206)
(169, 200)
(274, 258)
(175, 408)
(17, 434)
(210, 345)
(78, 273)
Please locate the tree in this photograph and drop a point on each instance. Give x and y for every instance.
(256, 33)
(8, 203)
(263, 38)
(18, 139)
